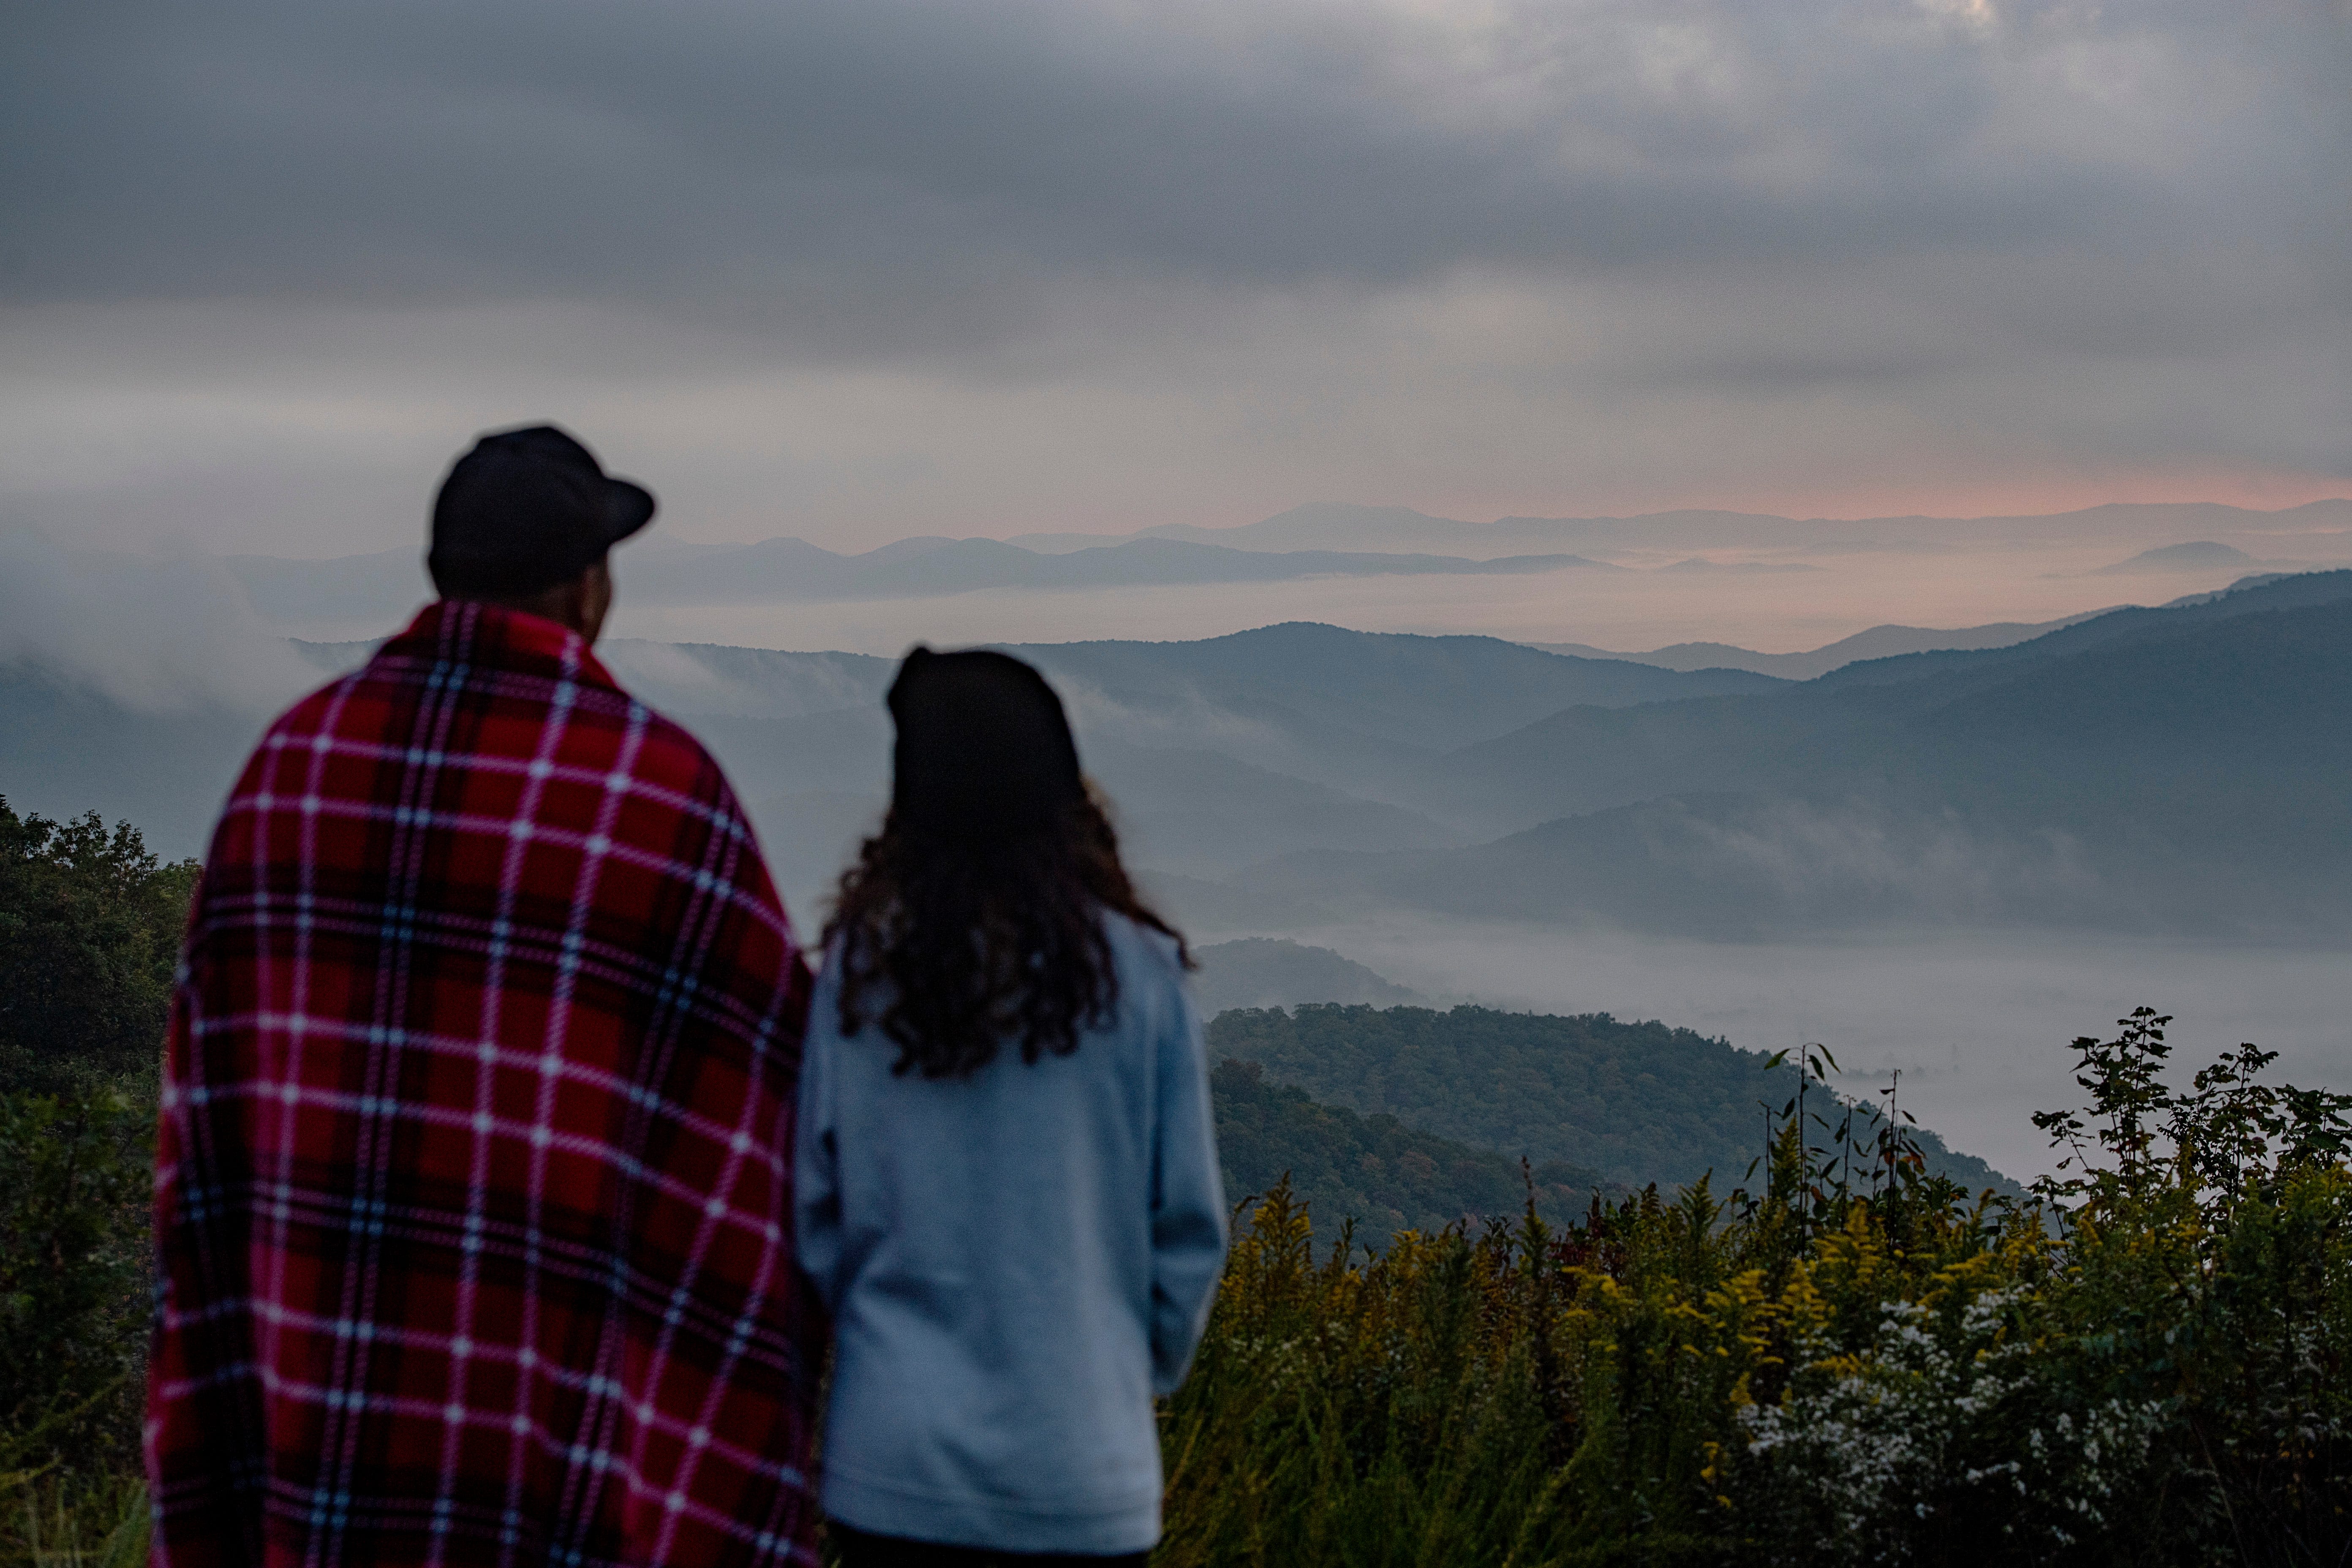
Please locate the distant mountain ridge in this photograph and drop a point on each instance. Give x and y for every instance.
(2191, 555)
(1333, 525)
(2270, 591)
(2156, 769)
(2149, 769)
(787, 571)
(1266, 971)
(2201, 555)
(1320, 540)
(1878, 642)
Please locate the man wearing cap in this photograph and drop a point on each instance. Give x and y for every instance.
(473, 1196)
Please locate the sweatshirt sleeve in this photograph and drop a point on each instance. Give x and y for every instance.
(816, 1152)
(1188, 1197)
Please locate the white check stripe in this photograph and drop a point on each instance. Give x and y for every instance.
(590, 1073)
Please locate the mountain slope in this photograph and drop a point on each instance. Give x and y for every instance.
(1373, 1170)
(2124, 626)
(1639, 1103)
(1878, 642)
(1264, 972)
(1423, 693)
(1905, 718)
(2187, 769)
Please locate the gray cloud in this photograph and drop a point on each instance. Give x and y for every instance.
(721, 151)
(1461, 253)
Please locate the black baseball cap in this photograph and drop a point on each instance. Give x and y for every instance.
(526, 509)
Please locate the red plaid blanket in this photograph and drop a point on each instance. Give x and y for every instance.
(473, 1196)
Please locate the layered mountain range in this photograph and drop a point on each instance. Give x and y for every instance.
(1327, 542)
(1334, 525)
(2181, 769)
(2177, 769)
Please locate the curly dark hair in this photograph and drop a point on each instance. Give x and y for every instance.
(973, 944)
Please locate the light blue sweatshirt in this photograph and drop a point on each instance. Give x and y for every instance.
(1016, 1263)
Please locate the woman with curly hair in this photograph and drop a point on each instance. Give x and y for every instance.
(1007, 1185)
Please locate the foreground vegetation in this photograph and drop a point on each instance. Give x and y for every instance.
(90, 932)
(1848, 1358)
(2145, 1363)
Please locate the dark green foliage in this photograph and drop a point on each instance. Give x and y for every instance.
(74, 1270)
(89, 931)
(2149, 1362)
(1637, 1102)
(2212, 1270)
(90, 934)
(1372, 1170)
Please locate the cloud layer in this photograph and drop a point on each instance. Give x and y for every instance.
(866, 270)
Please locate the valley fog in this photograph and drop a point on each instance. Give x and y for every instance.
(2142, 809)
(1978, 1023)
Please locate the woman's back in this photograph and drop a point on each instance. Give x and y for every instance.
(1016, 1261)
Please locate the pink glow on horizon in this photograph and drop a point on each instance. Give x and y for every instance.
(2017, 493)
(2020, 490)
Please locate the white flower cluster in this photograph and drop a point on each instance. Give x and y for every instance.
(1872, 1453)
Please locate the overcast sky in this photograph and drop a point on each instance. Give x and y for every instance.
(859, 270)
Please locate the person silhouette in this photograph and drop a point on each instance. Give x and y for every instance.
(1007, 1188)
(474, 1172)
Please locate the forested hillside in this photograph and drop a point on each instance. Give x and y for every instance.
(1373, 1170)
(1635, 1102)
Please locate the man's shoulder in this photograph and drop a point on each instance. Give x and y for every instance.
(621, 729)
(671, 756)
(314, 714)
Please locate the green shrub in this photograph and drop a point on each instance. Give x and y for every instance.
(2145, 1363)
(74, 1277)
(90, 934)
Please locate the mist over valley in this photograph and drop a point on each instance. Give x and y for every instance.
(1944, 852)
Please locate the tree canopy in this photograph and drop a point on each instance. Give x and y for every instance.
(90, 923)
(1372, 1169)
(1637, 1102)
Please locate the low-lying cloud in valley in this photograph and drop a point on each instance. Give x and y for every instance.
(155, 634)
(1482, 820)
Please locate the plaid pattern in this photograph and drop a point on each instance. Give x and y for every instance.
(472, 1190)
